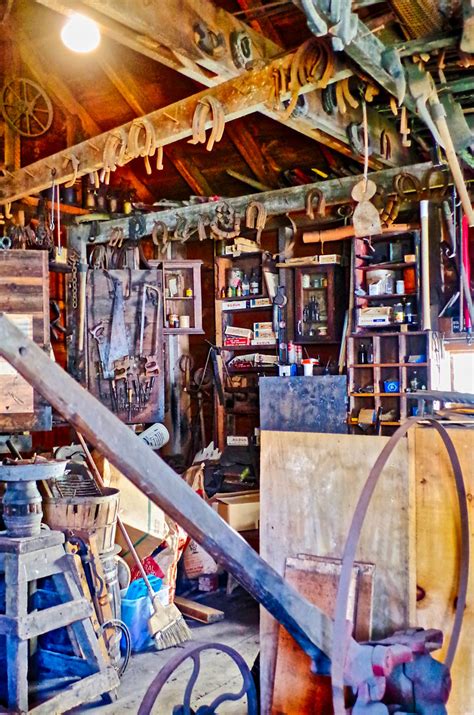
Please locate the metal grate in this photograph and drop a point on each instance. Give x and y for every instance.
(76, 482)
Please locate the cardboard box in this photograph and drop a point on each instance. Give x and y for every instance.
(234, 331)
(241, 511)
(145, 544)
(330, 258)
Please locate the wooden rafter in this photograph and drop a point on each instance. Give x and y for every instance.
(126, 84)
(249, 149)
(262, 24)
(239, 96)
(190, 172)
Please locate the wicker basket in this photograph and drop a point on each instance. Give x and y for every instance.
(97, 514)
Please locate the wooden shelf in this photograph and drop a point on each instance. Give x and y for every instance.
(248, 348)
(183, 331)
(246, 310)
(253, 296)
(390, 364)
(384, 423)
(383, 296)
(388, 266)
(375, 394)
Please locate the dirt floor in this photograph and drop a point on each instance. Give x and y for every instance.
(218, 675)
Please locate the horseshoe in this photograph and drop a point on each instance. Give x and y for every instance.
(320, 206)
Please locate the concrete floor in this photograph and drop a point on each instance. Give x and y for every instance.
(239, 630)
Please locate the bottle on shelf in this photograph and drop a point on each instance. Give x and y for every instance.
(238, 290)
(362, 354)
(254, 284)
(230, 292)
(370, 354)
(223, 292)
(245, 285)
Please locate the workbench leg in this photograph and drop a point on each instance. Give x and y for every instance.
(16, 590)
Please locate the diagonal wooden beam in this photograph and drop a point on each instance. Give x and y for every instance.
(239, 96)
(191, 173)
(249, 149)
(143, 44)
(261, 24)
(127, 86)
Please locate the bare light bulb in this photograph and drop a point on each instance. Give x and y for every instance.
(80, 34)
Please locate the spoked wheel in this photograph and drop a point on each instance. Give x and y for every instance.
(26, 107)
(193, 652)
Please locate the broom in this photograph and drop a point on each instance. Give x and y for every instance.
(166, 625)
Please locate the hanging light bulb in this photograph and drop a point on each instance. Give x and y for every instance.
(80, 34)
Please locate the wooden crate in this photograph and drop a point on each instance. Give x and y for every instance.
(24, 295)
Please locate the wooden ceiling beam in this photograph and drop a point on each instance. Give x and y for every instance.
(277, 202)
(239, 96)
(140, 27)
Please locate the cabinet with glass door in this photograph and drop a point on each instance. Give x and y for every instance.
(319, 304)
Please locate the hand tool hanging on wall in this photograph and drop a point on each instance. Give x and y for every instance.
(119, 343)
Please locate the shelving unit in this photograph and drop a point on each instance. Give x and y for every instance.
(391, 352)
(234, 417)
(389, 253)
(180, 277)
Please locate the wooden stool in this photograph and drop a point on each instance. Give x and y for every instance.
(22, 562)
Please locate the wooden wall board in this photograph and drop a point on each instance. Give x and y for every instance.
(304, 404)
(437, 550)
(99, 308)
(309, 486)
(24, 294)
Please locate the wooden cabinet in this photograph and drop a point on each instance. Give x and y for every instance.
(382, 370)
(182, 301)
(387, 282)
(319, 304)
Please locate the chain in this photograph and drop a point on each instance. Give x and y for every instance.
(74, 260)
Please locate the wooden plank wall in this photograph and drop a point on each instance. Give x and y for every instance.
(24, 291)
(310, 483)
(437, 550)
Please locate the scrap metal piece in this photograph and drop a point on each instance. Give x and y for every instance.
(421, 87)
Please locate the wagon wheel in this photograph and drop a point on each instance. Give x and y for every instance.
(26, 107)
